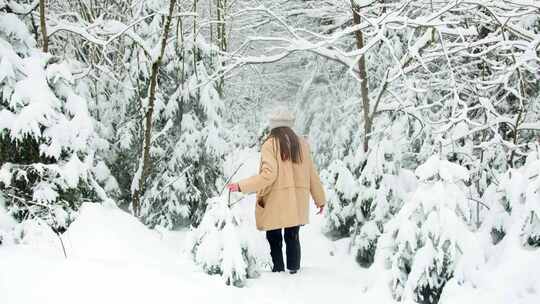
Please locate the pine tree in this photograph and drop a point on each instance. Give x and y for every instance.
(189, 146)
(513, 213)
(48, 166)
(219, 246)
(425, 240)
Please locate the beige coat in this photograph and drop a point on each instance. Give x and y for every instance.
(283, 188)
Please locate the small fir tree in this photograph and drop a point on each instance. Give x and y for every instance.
(219, 244)
(425, 240)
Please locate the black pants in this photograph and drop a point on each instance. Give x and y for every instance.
(292, 242)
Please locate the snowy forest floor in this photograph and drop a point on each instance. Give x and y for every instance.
(113, 258)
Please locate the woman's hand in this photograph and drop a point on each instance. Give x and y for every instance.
(234, 187)
(321, 209)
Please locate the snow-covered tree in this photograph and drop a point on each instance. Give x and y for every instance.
(47, 140)
(219, 244)
(189, 144)
(514, 205)
(366, 192)
(192, 152)
(530, 231)
(160, 115)
(342, 195)
(424, 241)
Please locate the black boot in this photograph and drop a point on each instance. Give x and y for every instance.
(292, 241)
(275, 240)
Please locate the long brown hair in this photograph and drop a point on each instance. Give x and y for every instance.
(289, 144)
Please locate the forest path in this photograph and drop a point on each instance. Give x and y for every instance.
(112, 258)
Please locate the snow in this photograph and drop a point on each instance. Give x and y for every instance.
(45, 192)
(421, 43)
(33, 93)
(5, 175)
(113, 258)
(509, 277)
(71, 171)
(116, 238)
(345, 182)
(103, 174)
(14, 28)
(6, 221)
(446, 170)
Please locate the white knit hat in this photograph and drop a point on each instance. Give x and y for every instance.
(281, 117)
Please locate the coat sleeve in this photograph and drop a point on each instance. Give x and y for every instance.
(315, 185)
(267, 174)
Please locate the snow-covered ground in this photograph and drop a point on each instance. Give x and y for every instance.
(112, 258)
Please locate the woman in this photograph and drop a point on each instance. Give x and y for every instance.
(286, 178)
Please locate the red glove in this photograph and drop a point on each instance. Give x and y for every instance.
(321, 209)
(234, 187)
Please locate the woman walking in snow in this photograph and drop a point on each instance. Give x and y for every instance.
(287, 176)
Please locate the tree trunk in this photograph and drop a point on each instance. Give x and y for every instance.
(149, 113)
(221, 7)
(195, 51)
(43, 26)
(364, 93)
